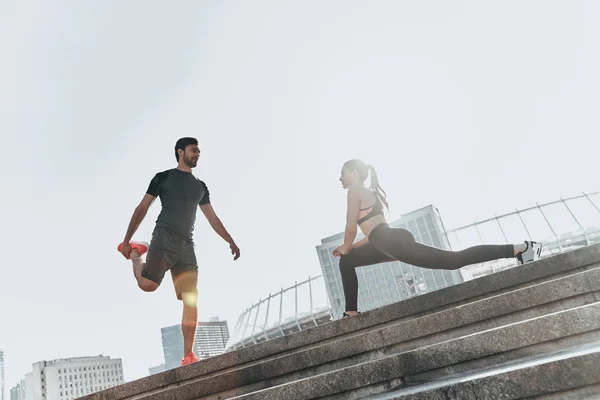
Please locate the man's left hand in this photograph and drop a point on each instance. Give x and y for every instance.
(235, 251)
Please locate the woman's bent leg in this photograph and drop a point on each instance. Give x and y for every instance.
(366, 254)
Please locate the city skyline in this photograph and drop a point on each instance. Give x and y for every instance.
(450, 107)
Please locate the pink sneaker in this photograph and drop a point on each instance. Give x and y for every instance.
(189, 359)
(142, 247)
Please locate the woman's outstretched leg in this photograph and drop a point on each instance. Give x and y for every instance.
(366, 254)
(401, 245)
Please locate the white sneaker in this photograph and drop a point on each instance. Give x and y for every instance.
(531, 253)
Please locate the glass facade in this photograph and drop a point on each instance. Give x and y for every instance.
(389, 282)
(172, 341)
(211, 338)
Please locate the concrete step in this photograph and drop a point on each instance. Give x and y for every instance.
(577, 322)
(573, 373)
(507, 308)
(551, 284)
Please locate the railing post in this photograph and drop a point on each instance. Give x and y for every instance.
(501, 230)
(523, 222)
(481, 240)
(296, 303)
(235, 334)
(587, 239)
(247, 324)
(267, 317)
(281, 311)
(255, 320)
(312, 314)
(590, 200)
(238, 326)
(478, 233)
(550, 226)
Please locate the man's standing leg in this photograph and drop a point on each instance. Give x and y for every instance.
(186, 288)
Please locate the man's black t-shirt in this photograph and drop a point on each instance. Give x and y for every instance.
(180, 193)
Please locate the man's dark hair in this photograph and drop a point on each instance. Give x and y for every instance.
(183, 143)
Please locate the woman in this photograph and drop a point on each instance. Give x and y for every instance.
(383, 243)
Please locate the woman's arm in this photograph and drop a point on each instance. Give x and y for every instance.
(351, 220)
(361, 242)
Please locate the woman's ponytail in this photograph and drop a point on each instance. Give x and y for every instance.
(376, 187)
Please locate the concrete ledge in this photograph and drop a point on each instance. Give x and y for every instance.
(579, 373)
(374, 343)
(584, 393)
(544, 269)
(552, 327)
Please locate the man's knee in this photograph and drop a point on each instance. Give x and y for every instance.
(147, 285)
(186, 286)
(189, 299)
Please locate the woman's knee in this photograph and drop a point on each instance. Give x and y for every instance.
(346, 263)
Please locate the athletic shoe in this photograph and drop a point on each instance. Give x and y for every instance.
(531, 253)
(348, 315)
(189, 359)
(142, 247)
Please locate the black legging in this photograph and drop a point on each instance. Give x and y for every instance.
(395, 244)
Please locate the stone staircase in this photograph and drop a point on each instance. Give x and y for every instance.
(528, 332)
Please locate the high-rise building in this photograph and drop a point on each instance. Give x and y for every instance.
(389, 282)
(70, 378)
(172, 342)
(210, 340)
(157, 369)
(18, 391)
(2, 389)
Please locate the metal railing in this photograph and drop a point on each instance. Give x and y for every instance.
(276, 316)
(561, 225)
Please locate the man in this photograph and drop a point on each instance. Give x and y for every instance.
(172, 246)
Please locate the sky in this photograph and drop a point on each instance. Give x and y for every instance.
(474, 107)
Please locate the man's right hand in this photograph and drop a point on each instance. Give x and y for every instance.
(126, 250)
(235, 250)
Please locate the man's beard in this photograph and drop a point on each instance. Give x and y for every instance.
(189, 162)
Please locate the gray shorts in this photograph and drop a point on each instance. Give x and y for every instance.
(168, 251)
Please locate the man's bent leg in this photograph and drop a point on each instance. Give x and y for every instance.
(150, 274)
(138, 267)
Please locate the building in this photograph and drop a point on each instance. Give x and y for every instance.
(157, 370)
(172, 342)
(210, 340)
(70, 378)
(18, 391)
(2, 388)
(389, 282)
